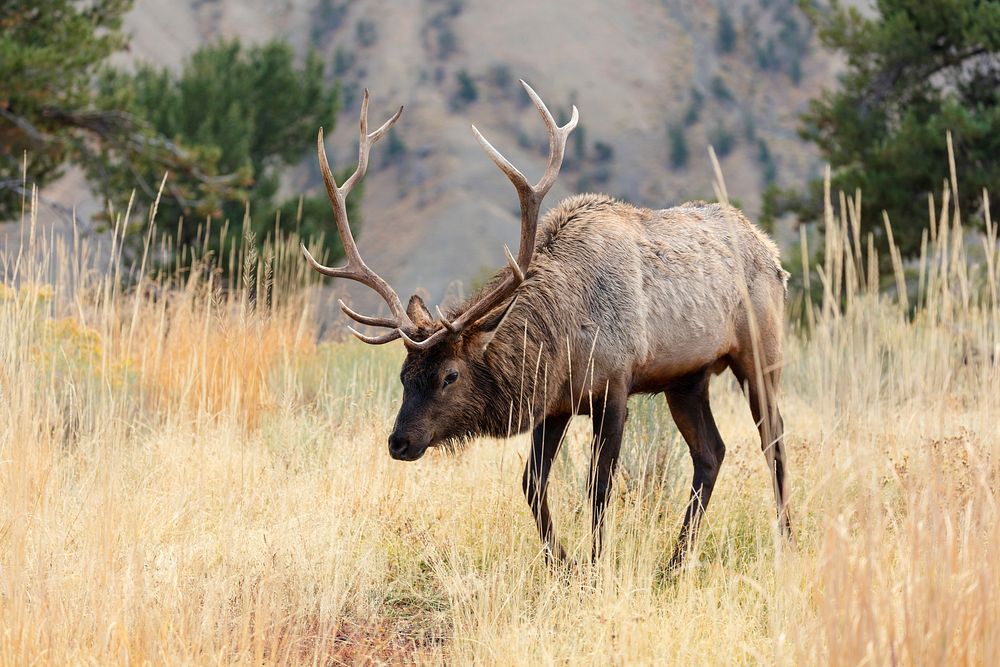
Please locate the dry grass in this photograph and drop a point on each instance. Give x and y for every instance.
(187, 479)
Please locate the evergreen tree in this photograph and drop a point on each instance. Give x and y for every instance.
(224, 128)
(466, 91)
(248, 113)
(678, 146)
(914, 71)
(725, 31)
(49, 53)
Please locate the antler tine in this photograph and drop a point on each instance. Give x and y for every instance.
(512, 263)
(333, 191)
(557, 140)
(376, 340)
(444, 321)
(428, 342)
(356, 269)
(530, 198)
(365, 142)
(366, 319)
(513, 173)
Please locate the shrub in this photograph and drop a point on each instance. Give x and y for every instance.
(367, 33)
(725, 32)
(720, 90)
(395, 148)
(722, 140)
(499, 77)
(769, 168)
(694, 107)
(603, 152)
(466, 91)
(447, 43)
(678, 146)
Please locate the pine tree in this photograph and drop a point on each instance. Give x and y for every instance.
(725, 31)
(914, 71)
(224, 128)
(249, 113)
(678, 146)
(50, 51)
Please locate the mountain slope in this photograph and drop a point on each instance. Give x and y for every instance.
(439, 210)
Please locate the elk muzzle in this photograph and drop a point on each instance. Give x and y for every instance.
(403, 447)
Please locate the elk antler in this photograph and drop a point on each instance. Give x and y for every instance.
(530, 198)
(356, 269)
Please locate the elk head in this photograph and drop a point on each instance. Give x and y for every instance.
(446, 379)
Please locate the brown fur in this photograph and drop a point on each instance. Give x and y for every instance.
(617, 300)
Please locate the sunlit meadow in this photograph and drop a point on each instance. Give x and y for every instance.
(189, 475)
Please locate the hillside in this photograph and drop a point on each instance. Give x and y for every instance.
(646, 75)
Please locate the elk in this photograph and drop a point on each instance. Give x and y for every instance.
(604, 300)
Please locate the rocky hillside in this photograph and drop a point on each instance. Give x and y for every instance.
(656, 81)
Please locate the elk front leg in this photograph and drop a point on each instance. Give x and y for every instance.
(609, 424)
(545, 442)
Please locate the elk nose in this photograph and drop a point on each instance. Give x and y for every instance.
(398, 445)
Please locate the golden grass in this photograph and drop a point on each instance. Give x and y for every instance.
(188, 479)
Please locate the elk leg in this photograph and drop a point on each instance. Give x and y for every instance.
(545, 442)
(764, 407)
(609, 424)
(689, 407)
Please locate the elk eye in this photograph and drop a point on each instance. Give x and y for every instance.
(450, 377)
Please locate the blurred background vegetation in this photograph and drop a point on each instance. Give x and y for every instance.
(914, 71)
(224, 126)
(870, 89)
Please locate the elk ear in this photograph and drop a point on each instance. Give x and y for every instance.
(489, 325)
(418, 312)
(493, 320)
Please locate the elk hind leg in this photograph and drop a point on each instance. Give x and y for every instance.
(762, 386)
(690, 409)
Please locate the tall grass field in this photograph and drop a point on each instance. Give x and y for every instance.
(190, 473)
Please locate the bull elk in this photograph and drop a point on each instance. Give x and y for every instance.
(604, 300)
